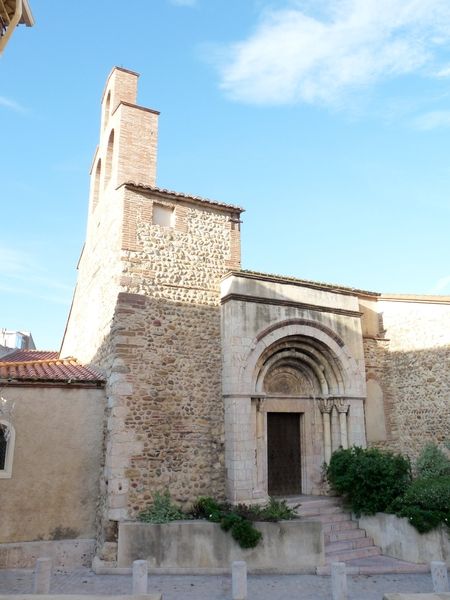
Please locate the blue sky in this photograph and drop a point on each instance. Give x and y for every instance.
(328, 120)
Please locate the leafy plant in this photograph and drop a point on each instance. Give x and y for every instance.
(162, 510)
(277, 510)
(235, 519)
(432, 462)
(369, 479)
(426, 503)
(208, 508)
(245, 534)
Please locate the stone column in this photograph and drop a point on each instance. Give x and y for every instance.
(261, 452)
(240, 446)
(342, 407)
(326, 406)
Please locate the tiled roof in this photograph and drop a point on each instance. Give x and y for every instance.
(29, 355)
(51, 370)
(181, 196)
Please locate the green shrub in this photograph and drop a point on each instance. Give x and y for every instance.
(162, 510)
(229, 520)
(426, 503)
(369, 479)
(208, 508)
(245, 534)
(234, 519)
(432, 462)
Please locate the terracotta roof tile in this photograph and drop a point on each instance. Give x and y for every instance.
(50, 370)
(29, 355)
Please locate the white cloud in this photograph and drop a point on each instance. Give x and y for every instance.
(183, 2)
(12, 105)
(433, 120)
(443, 72)
(297, 56)
(442, 286)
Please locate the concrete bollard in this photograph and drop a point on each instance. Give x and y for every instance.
(42, 575)
(140, 577)
(338, 581)
(239, 580)
(439, 576)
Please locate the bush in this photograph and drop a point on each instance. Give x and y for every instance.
(162, 510)
(245, 534)
(234, 519)
(238, 519)
(369, 479)
(432, 462)
(208, 508)
(426, 503)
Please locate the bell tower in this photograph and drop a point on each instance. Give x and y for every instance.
(128, 138)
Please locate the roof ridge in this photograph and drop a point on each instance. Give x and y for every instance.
(39, 361)
(183, 195)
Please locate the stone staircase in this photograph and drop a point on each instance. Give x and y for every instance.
(344, 539)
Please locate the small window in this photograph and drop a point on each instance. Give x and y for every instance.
(7, 440)
(163, 215)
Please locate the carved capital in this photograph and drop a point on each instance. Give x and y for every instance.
(341, 405)
(326, 405)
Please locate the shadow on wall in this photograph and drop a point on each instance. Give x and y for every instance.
(165, 420)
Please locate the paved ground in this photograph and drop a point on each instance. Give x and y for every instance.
(260, 587)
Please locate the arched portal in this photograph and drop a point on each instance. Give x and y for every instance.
(298, 395)
(294, 374)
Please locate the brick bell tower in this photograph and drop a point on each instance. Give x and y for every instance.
(128, 138)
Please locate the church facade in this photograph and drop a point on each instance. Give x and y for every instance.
(222, 381)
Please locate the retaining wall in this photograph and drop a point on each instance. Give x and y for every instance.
(202, 547)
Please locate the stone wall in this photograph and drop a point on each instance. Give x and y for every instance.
(407, 355)
(416, 372)
(199, 547)
(174, 411)
(165, 426)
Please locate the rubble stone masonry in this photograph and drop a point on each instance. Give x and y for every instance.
(165, 396)
(411, 366)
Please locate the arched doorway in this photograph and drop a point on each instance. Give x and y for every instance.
(293, 373)
(283, 410)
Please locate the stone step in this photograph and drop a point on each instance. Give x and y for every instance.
(340, 526)
(325, 509)
(333, 518)
(344, 545)
(346, 534)
(342, 556)
(318, 503)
